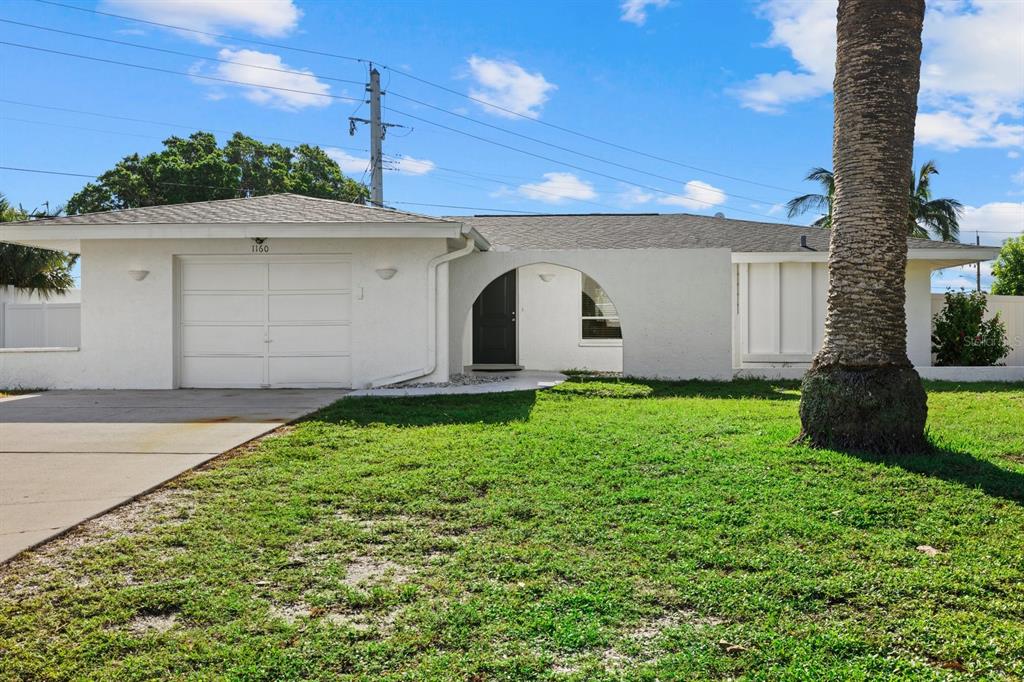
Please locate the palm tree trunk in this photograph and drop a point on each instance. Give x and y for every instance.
(861, 391)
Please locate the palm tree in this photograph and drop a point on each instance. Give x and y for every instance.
(927, 218)
(861, 392)
(940, 217)
(39, 271)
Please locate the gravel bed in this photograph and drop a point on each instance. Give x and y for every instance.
(456, 380)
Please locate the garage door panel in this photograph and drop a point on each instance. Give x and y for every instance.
(196, 275)
(334, 338)
(222, 372)
(221, 339)
(271, 321)
(310, 307)
(306, 276)
(222, 308)
(289, 371)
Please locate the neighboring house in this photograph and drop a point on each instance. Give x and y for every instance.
(287, 290)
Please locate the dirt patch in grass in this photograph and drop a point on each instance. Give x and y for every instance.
(141, 625)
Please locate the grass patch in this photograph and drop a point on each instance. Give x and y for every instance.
(600, 530)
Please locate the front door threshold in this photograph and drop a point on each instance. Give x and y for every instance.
(494, 368)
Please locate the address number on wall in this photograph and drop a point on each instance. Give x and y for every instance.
(260, 246)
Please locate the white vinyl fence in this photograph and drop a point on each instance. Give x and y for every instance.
(1011, 312)
(28, 322)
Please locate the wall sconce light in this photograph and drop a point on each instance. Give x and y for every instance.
(386, 273)
(547, 276)
(138, 275)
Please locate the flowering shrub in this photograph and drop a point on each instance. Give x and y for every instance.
(961, 336)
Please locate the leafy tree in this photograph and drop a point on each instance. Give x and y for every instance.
(962, 337)
(40, 271)
(1009, 269)
(927, 217)
(197, 169)
(861, 392)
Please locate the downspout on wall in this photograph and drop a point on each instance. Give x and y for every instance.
(472, 240)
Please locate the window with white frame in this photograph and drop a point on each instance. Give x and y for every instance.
(600, 319)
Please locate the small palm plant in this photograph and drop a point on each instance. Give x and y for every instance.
(37, 271)
(926, 217)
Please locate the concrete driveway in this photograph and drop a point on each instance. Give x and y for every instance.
(66, 456)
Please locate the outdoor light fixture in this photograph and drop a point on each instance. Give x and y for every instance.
(547, 276)
(386, 273)
(138, 275)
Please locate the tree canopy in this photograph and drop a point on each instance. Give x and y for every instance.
(38, 271)
(197, 169)
(1009, 269)
(927, 217)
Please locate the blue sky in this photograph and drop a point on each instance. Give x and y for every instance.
(737, 94)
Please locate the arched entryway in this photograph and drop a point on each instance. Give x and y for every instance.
(546, 317)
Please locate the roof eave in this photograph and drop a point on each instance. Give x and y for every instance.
(34, 234)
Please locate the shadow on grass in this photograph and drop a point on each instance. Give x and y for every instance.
(488, 408)
(957, 467)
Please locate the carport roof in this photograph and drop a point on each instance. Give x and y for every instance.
(663, 231)
(268, 209)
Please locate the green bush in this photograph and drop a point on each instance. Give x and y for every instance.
(961, 336)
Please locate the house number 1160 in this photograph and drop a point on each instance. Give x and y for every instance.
(261, 248)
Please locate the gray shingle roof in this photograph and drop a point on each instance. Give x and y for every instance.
(271, 208)
(653, 231)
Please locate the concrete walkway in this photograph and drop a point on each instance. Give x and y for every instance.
(526, 380)
(66, 456)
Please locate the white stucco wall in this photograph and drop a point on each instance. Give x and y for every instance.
(129, 327)
(548, 324)
(674, 305)
(779, 313)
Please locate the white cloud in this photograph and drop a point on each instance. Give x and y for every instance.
(696, 196)
(808, 31)
(299, 87)
(1018, 177)
(412, 166)
(634, 196)
(951, 131)
(1013, 154)
(506, 84)
(972, 78)
(635, 11)
(350, 165)
(557, 188)
(999, 219)
(269, 18)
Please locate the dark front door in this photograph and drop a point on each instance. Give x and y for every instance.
(494, 323)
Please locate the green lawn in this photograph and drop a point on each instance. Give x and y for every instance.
(599, 530)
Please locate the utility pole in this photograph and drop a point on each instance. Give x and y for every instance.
(378, 130)
(977, 241)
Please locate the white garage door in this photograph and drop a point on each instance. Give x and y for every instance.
(265, 322)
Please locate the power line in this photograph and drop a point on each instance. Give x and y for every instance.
(393, 94)
(412, 116)
(152, 122)
(425, 81)
(93, 177)
(205, 33)
(464, 208)
(566, 149)
(573, 166)
(191, 55)
(179, 73)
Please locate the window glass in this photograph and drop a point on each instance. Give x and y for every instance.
(600, 318)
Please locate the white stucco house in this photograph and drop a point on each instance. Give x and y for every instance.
(292, 291)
